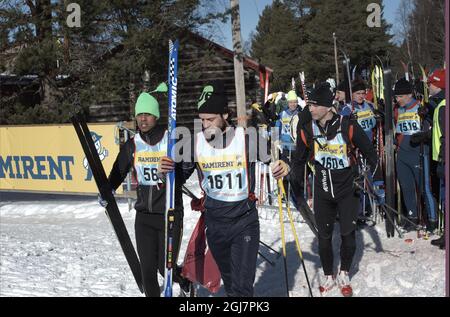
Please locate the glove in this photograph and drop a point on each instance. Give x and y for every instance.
(420, 137)
(440, 170)
(423, 111)
(279, 169)
(256, 107)
(197, 204)
(103, 202)
(274, 96)
(378, 187)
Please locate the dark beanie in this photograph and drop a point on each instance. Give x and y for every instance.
(358, 85)
(341, 86)
(403, 87)
(213, 99)
(321, 96)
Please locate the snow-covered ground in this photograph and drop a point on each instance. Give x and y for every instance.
(65, 246)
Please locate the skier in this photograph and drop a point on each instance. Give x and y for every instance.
(284, 121)
(363, 111)
(142, 153)
(437, 91)
(221, 156)
(328, 140)
(412, 173)
(340, 97)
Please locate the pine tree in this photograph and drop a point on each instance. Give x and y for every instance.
(297, 35)
(348, 19)
(276, 43)
(102, 61)
(422, 32)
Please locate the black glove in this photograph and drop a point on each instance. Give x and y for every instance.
(420, 137)
(423, 111)
(381, 105)
(440, 170)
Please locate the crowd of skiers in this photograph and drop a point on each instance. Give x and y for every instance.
(335, 141)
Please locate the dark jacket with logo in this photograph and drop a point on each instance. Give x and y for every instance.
(150, 199)
(337, 182)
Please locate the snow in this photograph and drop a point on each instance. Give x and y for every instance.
(65, 246)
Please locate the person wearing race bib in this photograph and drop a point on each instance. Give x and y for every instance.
(436, 82)
(410, 175)
(284, 121)
(142, 154)
(364, 113)
(328, 141)
(340, 97)
(226, 174)
(361, 109)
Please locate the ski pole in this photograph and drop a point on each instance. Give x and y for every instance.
(275, 142)
(266, 259)
(257, 180)
(370, 192)
(283, 242)
(386, 206)
(188, 193)
(271, 249)
(385, 211)
(294, 232)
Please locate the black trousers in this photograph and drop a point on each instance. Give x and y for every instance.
(150, 247)
(234, 246)
(326, 210)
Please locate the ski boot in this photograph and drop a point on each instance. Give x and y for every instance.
(440, 242)
(431, 226)
(328, 284)
(411, 225)
(343, 282)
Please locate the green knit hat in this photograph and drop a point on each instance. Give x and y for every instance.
(292, 96)
(146, 103)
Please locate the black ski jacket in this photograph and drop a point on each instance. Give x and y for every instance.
(338, 182)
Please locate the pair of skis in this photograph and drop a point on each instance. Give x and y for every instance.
(104, 187)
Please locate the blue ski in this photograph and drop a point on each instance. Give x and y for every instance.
(170, 181)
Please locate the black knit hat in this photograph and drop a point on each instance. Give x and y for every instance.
(358, 85)
(403, 87)
(213, 99)
(341, 86)
(322, 96)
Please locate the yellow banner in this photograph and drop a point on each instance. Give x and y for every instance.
(50, 158)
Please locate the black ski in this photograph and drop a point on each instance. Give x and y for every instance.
(112, 210)
(389, 150)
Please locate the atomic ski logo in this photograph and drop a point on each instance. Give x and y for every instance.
(102, 153)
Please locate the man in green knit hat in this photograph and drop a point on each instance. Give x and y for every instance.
(142, 154)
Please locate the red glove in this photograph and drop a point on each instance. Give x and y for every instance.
(197, 204)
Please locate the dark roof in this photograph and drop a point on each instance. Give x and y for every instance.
(248, 61)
